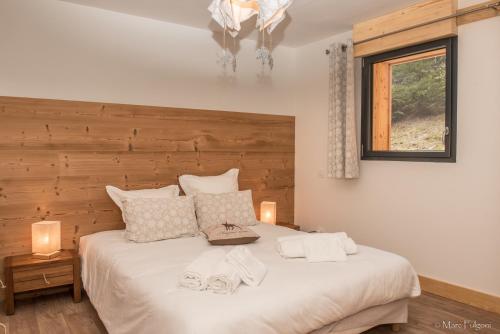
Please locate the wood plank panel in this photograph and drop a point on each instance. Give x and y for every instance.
(105, 127)
(56, 157)
(391, 24)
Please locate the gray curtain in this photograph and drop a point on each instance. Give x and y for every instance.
(342, 147)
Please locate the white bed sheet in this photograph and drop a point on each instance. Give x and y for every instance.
(392, 313)
(134, 287)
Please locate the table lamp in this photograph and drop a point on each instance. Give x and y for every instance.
(268, 212)
(46, 239)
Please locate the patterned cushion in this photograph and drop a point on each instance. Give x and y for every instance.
(150, 219)
(229, 234)
(233, 208)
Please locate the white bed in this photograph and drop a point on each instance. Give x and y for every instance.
(134, 288)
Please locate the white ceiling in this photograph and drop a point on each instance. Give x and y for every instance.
(308, 20)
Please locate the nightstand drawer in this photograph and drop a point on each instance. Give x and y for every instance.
(43, 277)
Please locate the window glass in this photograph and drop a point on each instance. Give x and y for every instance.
(409, 103)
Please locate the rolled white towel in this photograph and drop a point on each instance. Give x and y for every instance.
(350, 246)
(224, 279)
(291, 246)
(324, 248)
(251, 269)
(196, 275)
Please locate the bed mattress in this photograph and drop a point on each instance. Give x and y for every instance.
(134, 287)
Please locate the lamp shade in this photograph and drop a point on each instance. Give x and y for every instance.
(46, 238)
(268, 212)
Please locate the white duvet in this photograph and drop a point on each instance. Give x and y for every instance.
(134, 287)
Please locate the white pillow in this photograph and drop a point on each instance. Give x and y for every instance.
(118, 195)
(151, 219)
(225, 183)
(233, 208)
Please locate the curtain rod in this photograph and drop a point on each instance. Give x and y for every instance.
(495, 5)
(344, 47)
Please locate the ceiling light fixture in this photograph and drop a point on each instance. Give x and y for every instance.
(229, 14)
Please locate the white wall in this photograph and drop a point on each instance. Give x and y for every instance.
(54, 49)
(445, 218)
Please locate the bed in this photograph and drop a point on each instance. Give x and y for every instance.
(134, 288)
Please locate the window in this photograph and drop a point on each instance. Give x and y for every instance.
(409, 103)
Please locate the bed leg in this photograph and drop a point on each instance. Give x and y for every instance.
(396, 327)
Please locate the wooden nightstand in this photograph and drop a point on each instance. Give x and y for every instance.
(23, 273)
(292, 226)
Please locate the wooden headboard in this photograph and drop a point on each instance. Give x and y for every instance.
(57, 156)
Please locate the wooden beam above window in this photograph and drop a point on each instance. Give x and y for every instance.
(469, 15)
(423, 22)
(392, 27)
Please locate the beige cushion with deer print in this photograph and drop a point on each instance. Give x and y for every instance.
(229, 234)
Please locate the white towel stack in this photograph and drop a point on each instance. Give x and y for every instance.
(196, 275)
(317, 247)
(250, 268)
(224, 279)
(324, 248)
(292, 246)
(219, 272)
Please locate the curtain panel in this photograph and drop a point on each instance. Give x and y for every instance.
(343, 160)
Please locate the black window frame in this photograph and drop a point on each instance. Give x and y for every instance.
(450, 153)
